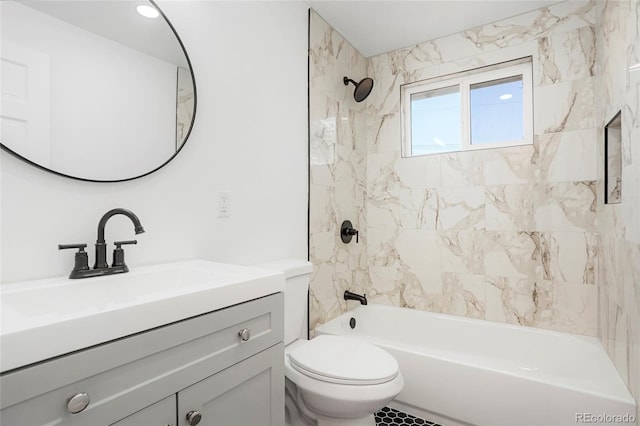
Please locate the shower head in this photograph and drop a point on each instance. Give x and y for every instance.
(362, 89)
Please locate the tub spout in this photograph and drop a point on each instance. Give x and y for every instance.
(353, 296)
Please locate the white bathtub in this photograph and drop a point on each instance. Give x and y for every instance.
(461, 371)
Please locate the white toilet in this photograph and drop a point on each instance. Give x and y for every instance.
(330, 380)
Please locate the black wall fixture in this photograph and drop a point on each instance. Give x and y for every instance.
(363, 88)
(347, 231)
(353, 296)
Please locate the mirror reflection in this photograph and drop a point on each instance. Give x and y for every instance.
(93, 89)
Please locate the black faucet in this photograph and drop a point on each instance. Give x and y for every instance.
(81, 268)
(353, 296)
(101, 245)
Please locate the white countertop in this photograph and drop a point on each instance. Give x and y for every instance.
(47, 318)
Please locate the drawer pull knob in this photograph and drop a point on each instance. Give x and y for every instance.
(78, 402)
(244, 334)
(194, 417)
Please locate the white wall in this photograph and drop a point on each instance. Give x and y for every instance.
(250, 138)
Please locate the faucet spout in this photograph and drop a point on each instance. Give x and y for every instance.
(353, 296)
(101, 246)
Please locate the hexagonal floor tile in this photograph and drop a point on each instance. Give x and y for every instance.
(391, 417)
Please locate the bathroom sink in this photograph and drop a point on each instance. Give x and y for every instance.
(47, 318)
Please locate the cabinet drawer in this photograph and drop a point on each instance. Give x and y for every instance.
(122, 376)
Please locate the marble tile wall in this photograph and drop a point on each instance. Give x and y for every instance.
(618, 89)
(517, 235)
(505, 234)
(338, 154)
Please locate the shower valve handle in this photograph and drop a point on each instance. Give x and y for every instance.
(353, 232)
(347, 231)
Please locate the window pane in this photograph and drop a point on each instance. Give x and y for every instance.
(496, 111)
(435, 121)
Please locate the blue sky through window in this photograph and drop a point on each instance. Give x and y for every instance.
(496, 111)
(435, 121)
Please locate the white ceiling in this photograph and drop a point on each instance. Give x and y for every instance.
(375, 27)
(371, 26)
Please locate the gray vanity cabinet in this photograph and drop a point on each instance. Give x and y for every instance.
(238, 396)
(225, 366)
(162, 413)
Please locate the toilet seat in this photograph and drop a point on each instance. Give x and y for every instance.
(323, 396)
(344, 360)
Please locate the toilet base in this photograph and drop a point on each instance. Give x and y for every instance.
(297, 414)
(294, 415)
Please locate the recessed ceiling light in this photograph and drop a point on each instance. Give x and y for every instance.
(635, 67)
(506, 97)
(148, 11)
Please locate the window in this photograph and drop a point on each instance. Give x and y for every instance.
(487, 107)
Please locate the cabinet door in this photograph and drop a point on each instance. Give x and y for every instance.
(162, 413)
(250, 393)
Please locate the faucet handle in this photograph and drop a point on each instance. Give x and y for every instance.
(118, 253)
(81, 261)
(119, 244)
(81, 247)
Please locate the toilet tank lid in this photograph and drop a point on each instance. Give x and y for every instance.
(290, 267)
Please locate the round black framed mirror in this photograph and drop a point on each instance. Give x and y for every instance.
(99, 91)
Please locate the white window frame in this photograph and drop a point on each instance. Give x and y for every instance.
(465, 80)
